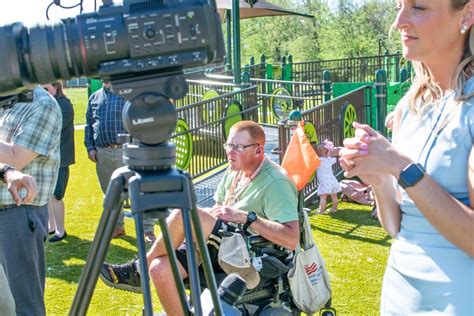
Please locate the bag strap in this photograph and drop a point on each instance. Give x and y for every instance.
(308, 241)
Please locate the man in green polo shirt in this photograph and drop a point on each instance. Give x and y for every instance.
(254, 191)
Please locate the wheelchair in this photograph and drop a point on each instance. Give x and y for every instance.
(272, 296)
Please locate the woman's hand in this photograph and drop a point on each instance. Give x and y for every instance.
(370, 156)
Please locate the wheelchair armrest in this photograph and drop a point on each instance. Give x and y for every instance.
(257, 240)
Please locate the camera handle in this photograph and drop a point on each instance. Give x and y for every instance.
(153, 187)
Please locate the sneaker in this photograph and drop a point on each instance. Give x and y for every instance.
(118, 232)
(122, 276)
(150, 237)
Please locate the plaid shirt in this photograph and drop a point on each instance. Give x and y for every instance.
(37, 127)
(103, 119)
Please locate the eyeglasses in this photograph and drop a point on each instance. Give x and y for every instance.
(237, 147)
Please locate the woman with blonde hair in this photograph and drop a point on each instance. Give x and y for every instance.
(430, 212)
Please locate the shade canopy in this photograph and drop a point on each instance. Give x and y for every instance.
(259, 9)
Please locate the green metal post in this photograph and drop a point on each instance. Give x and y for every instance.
(245, 78)
(228, 20)
(403, 75)
(327, 85)
(397, 67)
(289, 68)
(263, 87)
(236, 36)
(381, 100)
(282, 64)
(263, 67)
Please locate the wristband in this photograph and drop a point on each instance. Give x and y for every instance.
(4, 170)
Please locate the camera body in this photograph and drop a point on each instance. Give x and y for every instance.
(137, 39)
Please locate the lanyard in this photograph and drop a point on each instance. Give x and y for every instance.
(233, 195)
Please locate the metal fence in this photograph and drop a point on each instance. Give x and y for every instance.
(203, 127)
(358, 69)
(277, 98)
(331, 120)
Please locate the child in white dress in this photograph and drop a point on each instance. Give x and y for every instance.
(327, 182)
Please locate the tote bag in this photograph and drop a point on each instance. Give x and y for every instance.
(300, 160)
(309, 279)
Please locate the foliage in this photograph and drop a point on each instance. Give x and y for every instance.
(346, 29)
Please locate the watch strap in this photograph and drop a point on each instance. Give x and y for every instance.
(3, 169)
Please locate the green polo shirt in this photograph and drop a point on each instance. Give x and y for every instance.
(271, 194)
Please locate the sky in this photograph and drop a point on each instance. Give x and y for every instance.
(31, 12)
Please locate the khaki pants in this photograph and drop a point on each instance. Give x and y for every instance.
(7, 303)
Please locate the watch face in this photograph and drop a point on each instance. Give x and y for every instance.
(252, 217)
(411, 175)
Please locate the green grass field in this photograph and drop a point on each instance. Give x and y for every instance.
(353, 244)
(78, 97)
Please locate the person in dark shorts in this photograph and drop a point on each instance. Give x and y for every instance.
(56, 205)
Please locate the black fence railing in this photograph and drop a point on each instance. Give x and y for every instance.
(331, 120)
(277, 98)
(203, 127)
(358, 69)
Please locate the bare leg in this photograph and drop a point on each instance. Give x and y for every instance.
(334, 202)
(162, 277)
(322, 203)
(158, 262)
(51, 221)
(56, 209)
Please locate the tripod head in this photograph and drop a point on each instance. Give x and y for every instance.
(150, 118)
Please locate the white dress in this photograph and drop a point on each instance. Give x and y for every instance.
(327, 182)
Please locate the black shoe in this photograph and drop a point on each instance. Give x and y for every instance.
(56, 238)
(122, 276)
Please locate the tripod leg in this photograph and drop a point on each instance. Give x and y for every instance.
(206, 260)
(174, 266)
(143, 264)
(206, 263)
(192, 266)
(100, 244)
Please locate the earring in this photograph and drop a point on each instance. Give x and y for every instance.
(463, 29)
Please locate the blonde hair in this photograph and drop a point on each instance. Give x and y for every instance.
(426, 89)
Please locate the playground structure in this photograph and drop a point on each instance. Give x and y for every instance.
(330, 94)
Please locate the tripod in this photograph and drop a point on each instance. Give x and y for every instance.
(153, 186)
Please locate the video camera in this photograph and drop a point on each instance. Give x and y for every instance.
(136, 39)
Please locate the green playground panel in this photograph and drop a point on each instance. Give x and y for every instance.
(211, 113)
(233, 114)
(349, 116)
(340, 88)
(184, 144)
(395, 91)
(281, 107)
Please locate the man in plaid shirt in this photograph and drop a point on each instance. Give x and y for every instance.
(29, 141)
(103, 124)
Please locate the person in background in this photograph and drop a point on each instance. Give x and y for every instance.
(430, 211)
(56, 205)
(327, 182)
(30, 131)
(103, 124)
